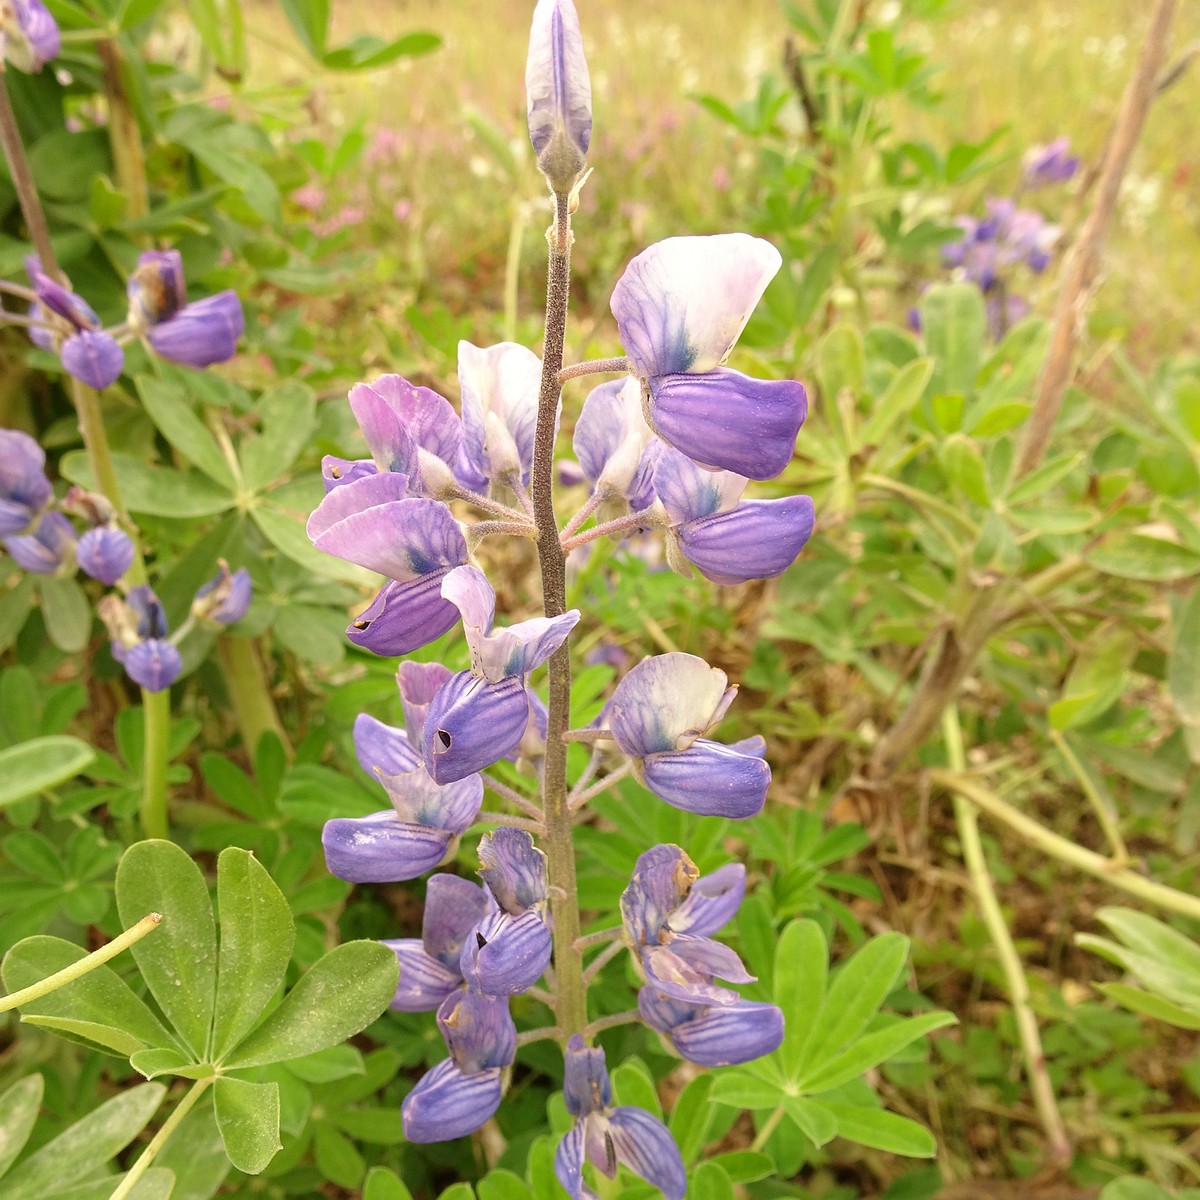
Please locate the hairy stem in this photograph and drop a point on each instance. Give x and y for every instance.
(570, 997)
(611, 1022)
(594, 366)
(151, 1152)
(602, 960)
(635, 520)
(26, 189)
(513, 797)
(35, 991)
(1065, 850)
(1084, 261)
(253, 705)
(156, 718)
(1017, 984)
(580, 798)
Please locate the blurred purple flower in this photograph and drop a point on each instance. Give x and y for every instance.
(28, 34)
(156, 289)
(48, 549)
(1049, 163)
(154, 664)
(93, 358)
(105, 553)
(24, 488)
(224, 599)
(202, 333)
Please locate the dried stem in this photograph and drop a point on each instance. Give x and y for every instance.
(1084, 260)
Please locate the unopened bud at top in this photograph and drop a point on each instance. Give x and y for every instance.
(558, 93)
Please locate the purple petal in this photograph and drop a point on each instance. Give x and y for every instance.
(712, 902)
(418, 683)
(586, 1086)
(201, 334)
(92, 358)
(472, 724)
(47, 548)
(611, 438)
(448, 1104)
(478, 1030)
(151, 619)
(755, 745)
(757, 540)
(728, 421)
(558, 93)
(24, 488)
(681, 303)
(60, 300)
(105, 553)
(424, 982)
(507, 955)
(661, 880)
(153, 664)
(451, 807)
(514, 869)
(709, 779)
(666, 702)
(710, 957)
(403, 617)
(225, 599)
(467, 588)
(673, 976)
(689, 492)
(156, 289)
(453, 907)
(643, 1144)
(720, 1037)
(338, 471)
(382, 749)
(500, 388)
(381, 848)
(523, 647)
(568, 1160)
(34, 39)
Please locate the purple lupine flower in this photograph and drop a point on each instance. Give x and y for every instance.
(28, 34)
(500, 386)
(558, 93)
(667, 922)
(713, 1035)
(93, 357)
(154, 664)
(411, 430)
(615, 447)
(509, 950)
(479, 716)
(606, 1136)
(1051, 163)
(105, 553)
(460, 1094)
(658, 715)
(336, 472)
(415, 834)
(429, 969)
(49, 549)
(727, 541)
(224, 599)
(62, 301)
(374, 523)
(202, 333)
(1002, 315)
(418, 684)
(24, 488)
(156, 289)
(680, 306)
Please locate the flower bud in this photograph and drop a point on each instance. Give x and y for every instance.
(105, 553)
(224, 599)
(558, 93)
(93, 358)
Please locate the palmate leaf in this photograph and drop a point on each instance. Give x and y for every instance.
(42, 763)
(18, 1112)
(248, 1118)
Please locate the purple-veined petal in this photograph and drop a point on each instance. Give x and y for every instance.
(728, 421)
(666, 702)
(500, 386)
(105, 553)
(371, 489)
(381, 848)
(568, 1161)
(383, 749)
(56, 298)
(558, 93)
(514, 869)
(661, 880)
(156, 289)
(674, 976)
(336, 472)
(153, 664)
(453, 907)
(416, 797)
(478, 1030)
(202, 333)
(47, 548)
(730, 1035)
(507, 955)
(689, 492)
(611, 436)
(644, 1144)
(710, 957)
(759, 539)
(93, 358)
(710, 779)
(448, 1103)
(681, 303)
(470, 724)
(586, 1085)
(424, 982)
(712, 902)
(225, 599)
(403, 617)
(418, 684)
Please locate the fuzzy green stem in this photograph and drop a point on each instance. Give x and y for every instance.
(35, 991)
(253, 706)
(594, 366)
(156, 717)
(1017, 984)
(1067, 851)
(151, 1152)
(26, 189)
(570, 995)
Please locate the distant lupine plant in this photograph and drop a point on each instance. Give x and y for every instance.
(670, 447)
